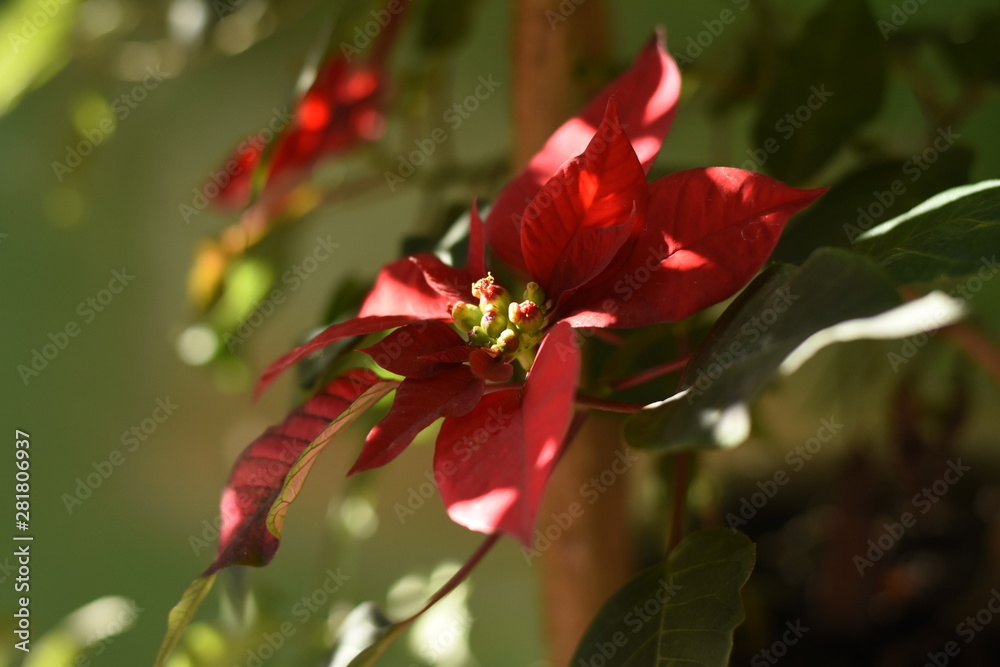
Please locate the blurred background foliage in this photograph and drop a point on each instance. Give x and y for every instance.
(901, 74)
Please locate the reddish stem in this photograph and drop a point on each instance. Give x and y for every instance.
(608, 405)
(652, 373)
(976, 346)
(457, 578)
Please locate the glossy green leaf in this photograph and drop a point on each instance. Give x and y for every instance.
(781, 320)
(680, 612)
(953, 234)
(182, 613)
(867, 197)
(821, 95)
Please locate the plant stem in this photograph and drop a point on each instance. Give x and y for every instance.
(607, 405)
(457, 578)
(651, 373)
(976, 346)
(680, 498)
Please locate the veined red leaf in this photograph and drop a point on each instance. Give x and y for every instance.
(708, 232)
(579, 220)
(258, 477)
(647, 95)
(358, 326)
(418, 403)
(297, 474)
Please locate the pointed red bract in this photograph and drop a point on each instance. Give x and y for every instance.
(259, 472)
(708, 232)
(492, 464)
(577, 223)
(411, 350)
(402, 289)
(358, 326)
(419, 402)
(647, 94)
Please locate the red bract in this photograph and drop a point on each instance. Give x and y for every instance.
(259, 474)
(597, 246)
(342, 109)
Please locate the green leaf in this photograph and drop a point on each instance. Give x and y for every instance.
(951, 235)
(822, 95)
(370, 655)
(36, 47)
(781, 320)
(865, 198)
(297, 474)
(682, 611)
(180, 616)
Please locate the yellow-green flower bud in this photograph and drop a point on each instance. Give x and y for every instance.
(466, 316)
(534, 293)
(507, 342)
(494, 321)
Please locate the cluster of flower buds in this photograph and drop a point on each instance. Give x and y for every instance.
(500, 323)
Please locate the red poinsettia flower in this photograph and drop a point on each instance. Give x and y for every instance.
(593, 245)
(342, 109)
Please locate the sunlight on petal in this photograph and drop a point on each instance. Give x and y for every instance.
(480, 514)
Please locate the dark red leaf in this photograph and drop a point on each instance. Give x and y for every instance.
(259, 472)
(405, 351)
(418, 404)
(358, 326)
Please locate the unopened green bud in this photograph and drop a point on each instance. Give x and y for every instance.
(479, 337)
(465, 316)
(534, 293)
(493, 321)
(507, 342)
